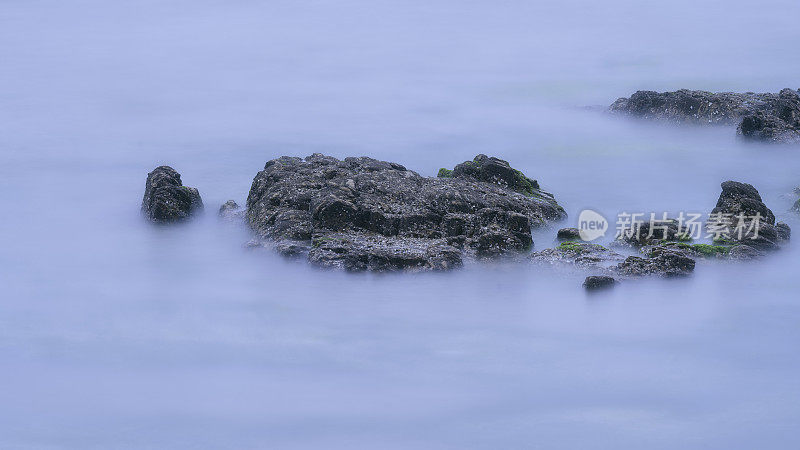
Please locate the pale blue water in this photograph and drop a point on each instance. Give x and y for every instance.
(116, 334)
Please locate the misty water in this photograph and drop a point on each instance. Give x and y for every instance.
(118, 334)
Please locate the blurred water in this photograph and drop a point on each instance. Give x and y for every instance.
(117, 334)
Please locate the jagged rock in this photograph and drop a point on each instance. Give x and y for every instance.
(166, 199)
(734, 218)
(568, 234)
(778, 123)
(595, 282)
(365, 214)
(765, 117)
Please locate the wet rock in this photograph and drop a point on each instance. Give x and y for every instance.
(705, 251)
(778, 123)
(656, 261)
(596, 282)
(783, 231)
(231, 210)
(496, 171)
(741, 218)
(764, 117)
(660, 261)
(745, 252)
(166, 199)
(365, 214)
(581, 254)
(643, 233)
(568, 234)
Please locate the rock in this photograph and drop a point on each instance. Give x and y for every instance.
(745, 252)
(657, 260)
(496, 171)
(778, 123)
(365, 214)
(231, 210)
(166, 199)
(596, 282)
(661, 261)
(643, 233)
(741, 217)
(568, 234)
(705, 251)
(581, 254)
(765, 117)
(783, 231)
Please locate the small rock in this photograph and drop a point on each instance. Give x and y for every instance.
(166, 199)
(231, 210)
(596, 282)
(568, 234)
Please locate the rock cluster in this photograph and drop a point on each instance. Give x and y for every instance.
(365, 214)
(764, 117)
(668, 250)
(166, 199)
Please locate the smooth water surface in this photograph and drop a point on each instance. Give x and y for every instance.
(118, 334)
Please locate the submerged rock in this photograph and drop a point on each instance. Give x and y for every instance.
(764, 117)
(166, 199)
(231, 210)
(596, 282)
(659, 261)
(365, 214)
(581, 254)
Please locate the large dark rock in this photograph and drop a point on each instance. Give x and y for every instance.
(166, 199)
(365, 214)
(741, 218)
(764, 117)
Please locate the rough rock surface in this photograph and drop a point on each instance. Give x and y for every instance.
(658, 261)
(231, 210)
(365, 214)
(596, 282)
(166, 199)
(568, 234)
(734, 214)
(645, 232)
(764, 117)
(581, 254)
